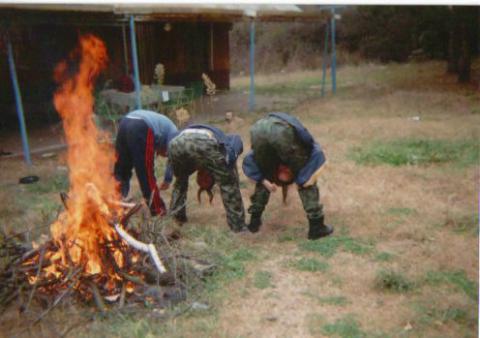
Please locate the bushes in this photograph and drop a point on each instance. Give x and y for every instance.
(278, 46)
(383, 33)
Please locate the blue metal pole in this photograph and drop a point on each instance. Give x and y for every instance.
(136, 73)
(334, 55)
(324, 61)
(18, 102)
(251, 99)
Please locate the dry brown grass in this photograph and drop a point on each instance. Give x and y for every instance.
(407, 211)
(358, 198)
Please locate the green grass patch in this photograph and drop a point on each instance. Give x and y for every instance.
(428, 314)
(464, 224)
(56, 183)
(346, 327)
(334, 300)
(417, 152)
(286, 88)
(391, 280)
(231, 269)
(328, 246)
(287, 237)
(311, 265)
(401, 211)
(328, 300)
(221, 249)
(384, 256)
(291, 234)
(262, 280)
(458, 279)
(243, 255)
(217, 239)
(144, 324)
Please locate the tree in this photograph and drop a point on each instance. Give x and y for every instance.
(463, 40)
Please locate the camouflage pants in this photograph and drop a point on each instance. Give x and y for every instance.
(187, 153)
(309, 196)
(273, 142)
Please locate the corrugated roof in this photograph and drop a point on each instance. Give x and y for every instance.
(154, 11)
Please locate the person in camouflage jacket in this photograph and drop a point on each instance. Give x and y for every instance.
(284, 152)
(207, 150)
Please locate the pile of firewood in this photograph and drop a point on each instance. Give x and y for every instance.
(147, 277)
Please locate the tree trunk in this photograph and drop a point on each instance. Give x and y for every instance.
(463, 40)
(453, 42)
(464, 60)
(453, 50)
(466, 18)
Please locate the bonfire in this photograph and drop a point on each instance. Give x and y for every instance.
(91, 253)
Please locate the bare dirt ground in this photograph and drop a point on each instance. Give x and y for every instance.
(403, 261)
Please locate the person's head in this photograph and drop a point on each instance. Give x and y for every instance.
(229, 116)
(284, 174)
(284, 178)
(205, 182)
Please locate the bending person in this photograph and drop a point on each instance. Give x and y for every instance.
(213, 154)
(141, 135)
(284, 152)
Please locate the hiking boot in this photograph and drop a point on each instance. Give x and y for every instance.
(181, 216)
(318, 228)
(255, 223)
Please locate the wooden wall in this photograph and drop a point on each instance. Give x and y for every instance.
(187, 50)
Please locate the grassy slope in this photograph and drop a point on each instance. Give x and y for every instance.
(403, 261)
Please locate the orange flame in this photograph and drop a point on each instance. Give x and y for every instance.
(82, 230)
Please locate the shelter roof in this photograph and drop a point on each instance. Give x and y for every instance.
(157, 11)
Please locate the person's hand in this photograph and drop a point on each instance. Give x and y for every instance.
(269, 185)
(164, 186)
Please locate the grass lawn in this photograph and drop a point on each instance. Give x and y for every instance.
(400, 188)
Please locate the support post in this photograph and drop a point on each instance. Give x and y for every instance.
(18, 103)
(324, 60)
(136, 74)
(251, 99)
(334, 55)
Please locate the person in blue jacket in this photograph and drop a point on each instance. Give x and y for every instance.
(284, 152)
(141, 135)
(213, 155)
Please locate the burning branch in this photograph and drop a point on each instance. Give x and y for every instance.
(140, 246)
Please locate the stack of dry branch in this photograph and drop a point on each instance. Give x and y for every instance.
(145, 277)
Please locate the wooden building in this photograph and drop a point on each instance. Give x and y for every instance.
(187, 39)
